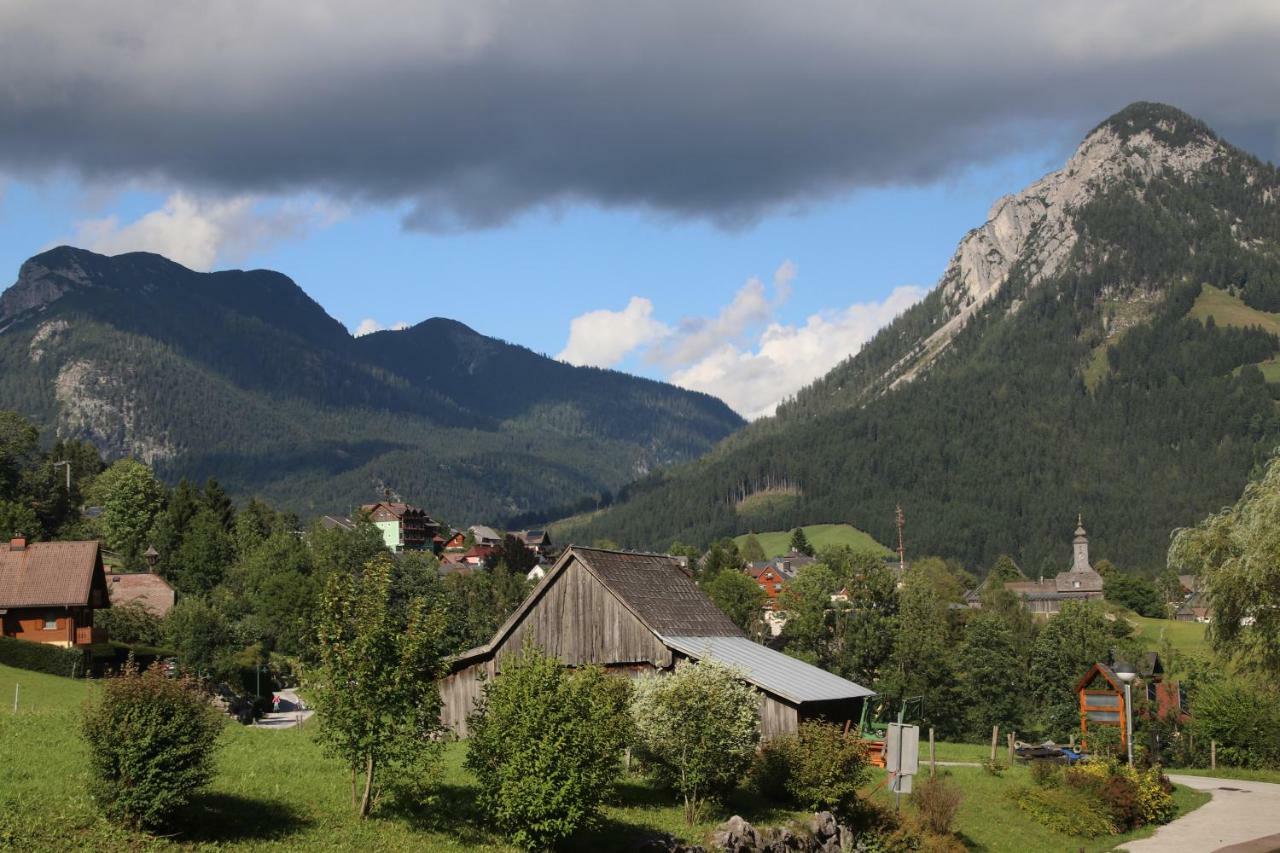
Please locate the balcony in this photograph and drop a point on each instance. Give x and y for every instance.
(90, 636)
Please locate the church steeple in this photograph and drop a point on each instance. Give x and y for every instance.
(1080, 561)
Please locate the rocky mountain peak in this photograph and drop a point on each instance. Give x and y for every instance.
(1036, 226)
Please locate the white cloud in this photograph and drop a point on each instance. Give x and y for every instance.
(743, 355)
(369, 325)
(753, 380)
(750, 309)
(603, 338)
(199, 232)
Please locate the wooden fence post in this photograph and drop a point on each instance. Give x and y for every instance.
(1213, 754)
(933, 758)
(15, 697)
(1011, 749)
(995, 737)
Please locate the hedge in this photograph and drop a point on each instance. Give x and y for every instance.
(42, 657)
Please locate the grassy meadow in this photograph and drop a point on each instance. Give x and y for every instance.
(275, 790)
(1187, 637)
(1229, 310)
(778, 542)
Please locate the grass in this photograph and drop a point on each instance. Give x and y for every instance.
(778, 542)
(1185, 636)
(1229, 310)
(987, 821)
(1244, 773)
(276, 791)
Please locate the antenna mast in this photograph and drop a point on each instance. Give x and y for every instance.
(902, 549)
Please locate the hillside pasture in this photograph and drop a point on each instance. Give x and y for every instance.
(820, 536)
(1227, 309)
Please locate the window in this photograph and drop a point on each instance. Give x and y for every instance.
(50, 623)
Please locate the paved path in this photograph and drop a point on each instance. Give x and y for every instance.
(1240, 813)
(284, 719)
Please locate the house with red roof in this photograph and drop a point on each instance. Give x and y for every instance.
(151, 591)
(49, 591)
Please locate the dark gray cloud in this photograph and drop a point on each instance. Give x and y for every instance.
(472, 112)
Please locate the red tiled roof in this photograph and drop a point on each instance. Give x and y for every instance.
(147, 589)
(45, 574)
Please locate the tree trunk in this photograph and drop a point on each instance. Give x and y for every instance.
(365, 800)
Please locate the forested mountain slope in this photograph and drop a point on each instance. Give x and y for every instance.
(1056, 369)
(241, 376)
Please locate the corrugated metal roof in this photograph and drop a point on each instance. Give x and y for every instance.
(771, 671)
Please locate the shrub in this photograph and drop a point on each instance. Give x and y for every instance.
(1121, 797)
(131, 622)
(1046, 774)
(937, 801)
(151, 741)
(697, 730)
(42, 657)
(818, 767)
(546, 745)
(1242, 718)
(1104, 741)
(994, 768)
(1068, 810)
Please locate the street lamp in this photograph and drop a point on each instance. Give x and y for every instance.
(1126, 674)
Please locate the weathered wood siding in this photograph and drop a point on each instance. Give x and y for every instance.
(777, 716)
(459, 692)
(579, 621)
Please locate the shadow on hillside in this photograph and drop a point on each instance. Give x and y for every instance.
(215, 818)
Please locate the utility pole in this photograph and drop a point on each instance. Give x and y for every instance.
(68, 464)
(902, 548)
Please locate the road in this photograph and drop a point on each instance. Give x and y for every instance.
(1242, 817)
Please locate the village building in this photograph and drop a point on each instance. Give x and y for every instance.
(537, 541)
(404, 527)
(1079, 583)
(49, 591)
(456, 542)
(337, 522)
(485, 535)
(148, 590)
(642, 613)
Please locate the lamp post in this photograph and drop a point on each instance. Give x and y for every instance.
(1126, 673)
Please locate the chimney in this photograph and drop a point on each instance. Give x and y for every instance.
(18, 543)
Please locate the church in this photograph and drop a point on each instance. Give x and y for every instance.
(1079, 583)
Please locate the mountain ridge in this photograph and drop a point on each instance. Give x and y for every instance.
(237, 374)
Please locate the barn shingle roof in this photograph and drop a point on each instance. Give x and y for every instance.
(656, 588)
(47, 574)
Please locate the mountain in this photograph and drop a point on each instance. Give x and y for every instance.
(242, 376)
(1070, 360)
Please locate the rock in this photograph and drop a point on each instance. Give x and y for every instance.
(735, 835)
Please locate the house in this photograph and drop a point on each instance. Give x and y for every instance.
(456, 542)
(149, 590)
(1079, 583)
(485, 535)
(537, 541)
(642, 613)
(1195, 609)
(49, 590)
(478, 554)
(404, 527)
(337, 522)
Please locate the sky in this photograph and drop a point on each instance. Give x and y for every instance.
(730, 195)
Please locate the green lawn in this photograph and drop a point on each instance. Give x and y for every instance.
(1232, 773)
(778, 542)
(1185, 636)
(275, 790)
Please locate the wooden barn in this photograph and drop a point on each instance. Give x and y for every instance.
(638, 613)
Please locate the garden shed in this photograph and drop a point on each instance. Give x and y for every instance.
(635, 613)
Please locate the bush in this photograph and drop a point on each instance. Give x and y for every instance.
(1104, 741)
(696, 729)
(546, 745)
(994, 768)
(1046, 774)
(937, 801)
(42, 657)
(818, 767)
(1243, 719)
(151, 741)
(131, 622)
(1068, 810)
